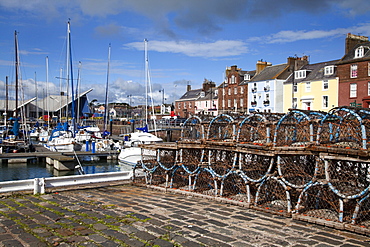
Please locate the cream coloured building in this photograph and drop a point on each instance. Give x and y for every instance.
(315, 87)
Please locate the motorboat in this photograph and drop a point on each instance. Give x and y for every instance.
(131, 154)
(135, 138)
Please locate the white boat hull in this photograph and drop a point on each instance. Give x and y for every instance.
(132, 155)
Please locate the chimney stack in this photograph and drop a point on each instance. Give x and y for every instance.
(352, 40)
(261, 66)
(188, 88)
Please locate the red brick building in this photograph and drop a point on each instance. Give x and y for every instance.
(354, 72)
(233, 92)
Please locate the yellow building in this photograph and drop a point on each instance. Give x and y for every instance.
(315, 87)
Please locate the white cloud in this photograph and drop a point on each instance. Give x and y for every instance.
(217, 49)
(293, 36)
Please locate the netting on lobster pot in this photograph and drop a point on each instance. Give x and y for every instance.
(221, 128)
(255, 167)
(205, 183)
(345, 127)
(150, 165)
(257, 128)
(221, 162)
(167, 158)
(347, 177)
(235, 187)
(192, 129)
(297, 170)
(190, 159)
(273, 195)
(319, 201)
(361, 215)
(297, 128)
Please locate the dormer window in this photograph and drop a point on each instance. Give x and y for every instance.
(247, 77)
(329, 70)
(202, 94)
(360, 51)
(232, 79)
(300, 74)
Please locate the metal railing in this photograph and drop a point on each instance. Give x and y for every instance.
(38, 185)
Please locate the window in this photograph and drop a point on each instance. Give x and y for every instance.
(368, 69)
(223, 103)
(354, 71)
(308, 86)
(360, 51)
(254, 88)
(325, 85)
(229, 91)
(329, 70)
(294, 103)
(190, 105)
(235, 104)
(232, 79)
(241, 102)
(353, 90)
(368, 88)
(247, 77)
(300, 74)
(206, 104)
(268, 97)
(179, 105)
(235, 90)
(229, 103)
(202, 94)
(241, 90)
(325, 101)
(184, 105)
(295, 87)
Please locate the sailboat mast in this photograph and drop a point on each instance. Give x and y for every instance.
(106, 93)
(146, 79)
(47, 87)
(78, 91)
(37, 98)
(16, 73)
(67, 70)
(73, 110)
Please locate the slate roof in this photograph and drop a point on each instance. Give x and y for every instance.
(191, 95)
(270, 73)
(316, 72)
(251, 73)
(350, 56)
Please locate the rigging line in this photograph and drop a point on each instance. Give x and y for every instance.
(106, 91)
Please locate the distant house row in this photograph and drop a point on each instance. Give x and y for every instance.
(294, 84)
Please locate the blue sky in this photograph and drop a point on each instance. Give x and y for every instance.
(188, 40)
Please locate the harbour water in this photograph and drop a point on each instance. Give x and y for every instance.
(30, 170)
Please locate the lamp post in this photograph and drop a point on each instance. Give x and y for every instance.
(130, 98)
(163, 106)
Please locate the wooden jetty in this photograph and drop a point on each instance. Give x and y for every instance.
(62, 161)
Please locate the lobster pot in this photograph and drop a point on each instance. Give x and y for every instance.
(273, 195)
(180, 179)
(344, 127)
(347, 177)
(297, 170)
(253, 129)
(255, 167)
(361, 215)
(203, 182)
(192, 129)
(236, 188)
(221, 162)
(167, 158)
(319, 201)
(191, 158)
(221, 128)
